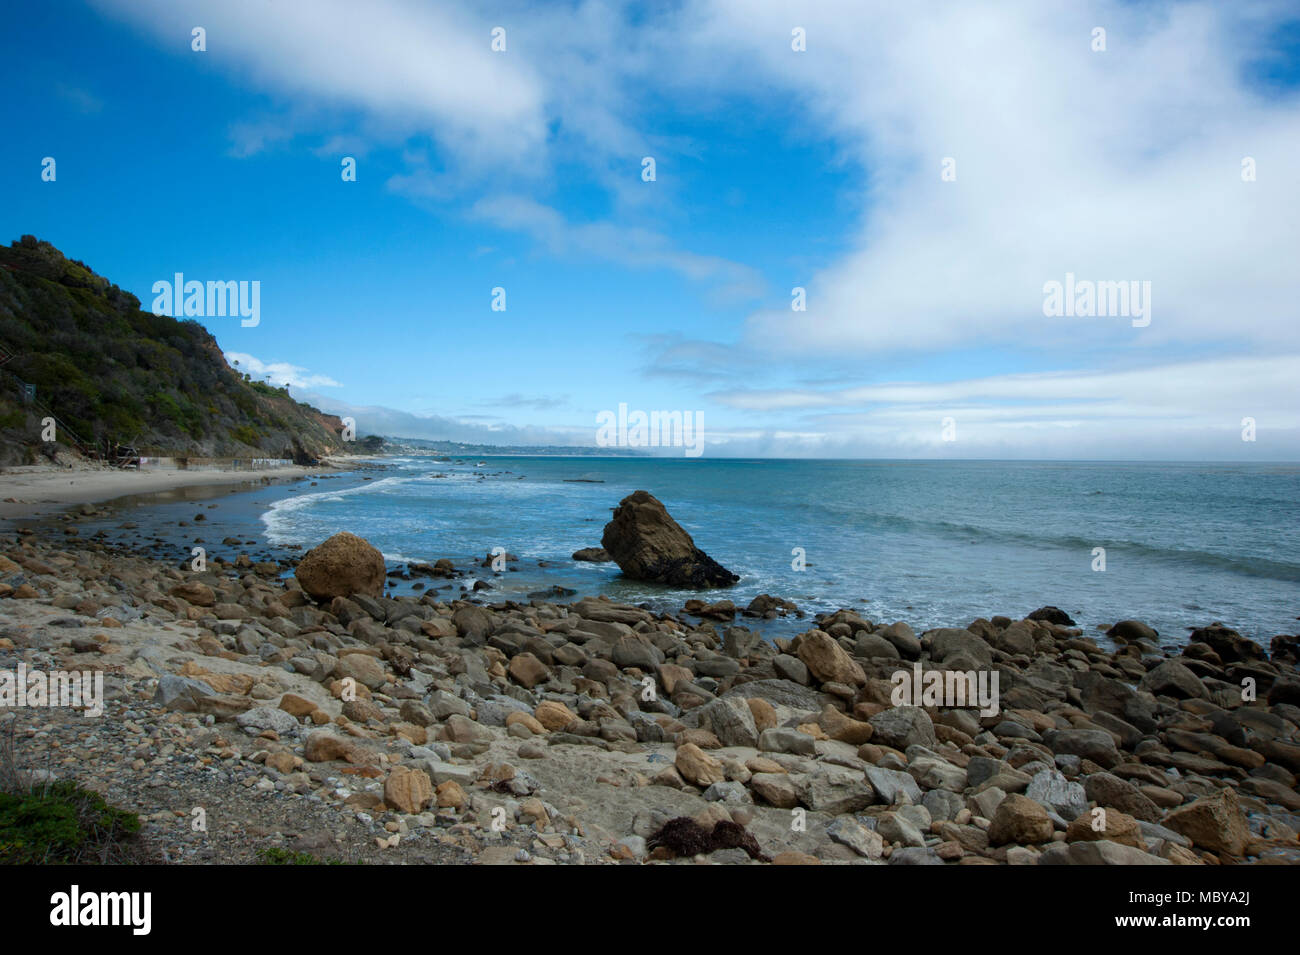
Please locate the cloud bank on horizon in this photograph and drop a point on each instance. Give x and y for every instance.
(921, 173)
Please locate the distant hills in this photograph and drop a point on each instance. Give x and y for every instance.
(401, 445)
(76, 347)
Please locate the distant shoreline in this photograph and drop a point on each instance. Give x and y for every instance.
(36, 491)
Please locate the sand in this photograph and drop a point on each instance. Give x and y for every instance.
(39, 490)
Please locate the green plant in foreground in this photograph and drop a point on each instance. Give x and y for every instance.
(65, 824)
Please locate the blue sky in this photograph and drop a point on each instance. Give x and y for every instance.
(776, 168)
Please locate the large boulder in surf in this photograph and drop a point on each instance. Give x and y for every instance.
(1052, 615)
(343, 566)
(647, 544)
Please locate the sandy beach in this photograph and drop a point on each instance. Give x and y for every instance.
(39, 490)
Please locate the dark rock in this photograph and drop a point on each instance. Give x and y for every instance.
(1231, 646)
(1052, 615)
(649, 545)
(1127, 630)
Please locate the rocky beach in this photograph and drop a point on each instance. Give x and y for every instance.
(256, 706)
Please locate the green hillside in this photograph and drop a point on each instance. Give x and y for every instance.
(112, 372)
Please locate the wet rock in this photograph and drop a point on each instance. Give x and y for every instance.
(1052, 615)
(1172, 678)
(647, 544)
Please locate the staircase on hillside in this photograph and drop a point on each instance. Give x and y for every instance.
(27, 393)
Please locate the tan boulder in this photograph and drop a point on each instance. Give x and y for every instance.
(296, 706)
(528, 671)
(1020, 820)
(531, 722)
(828, 661)
(451, 795)
(554, 715)
(698, 767)
(362, 668)
(192, 591)
(844, 728)
(764, 713)
(1213, 822)
(1115, 826)
(408, 790)
(340, 567)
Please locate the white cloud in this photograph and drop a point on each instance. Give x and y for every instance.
(632, 247)
(1122, 165)
(1116, 165)
(420, 67)
(278, 372)
(1183, 410)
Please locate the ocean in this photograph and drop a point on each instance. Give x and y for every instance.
(933, 543)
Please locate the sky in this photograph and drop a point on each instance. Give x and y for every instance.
(921, 172)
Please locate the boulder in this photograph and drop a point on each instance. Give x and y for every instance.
(828, 661)
(1096, 745)
(1114, 826)
(952, 645)
(647, 544)
(1102, 852)
(1231, 646)
(903, 726)
(408, 790)
(731, 720)
(1053, 790)
(698, 767)
(1128, 630)
(594, 555)
(1052, 615)
(181, 693)
(363, 668)
(199, 594)
(1213, 822)
(268, 718)
(1110, 791)
(775, 789)
(1021, 821)
(342, 566)
(1172, 678)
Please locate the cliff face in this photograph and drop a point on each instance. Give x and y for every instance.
(111, 372)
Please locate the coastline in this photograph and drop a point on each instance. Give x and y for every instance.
(433, 729)
(37, 491)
